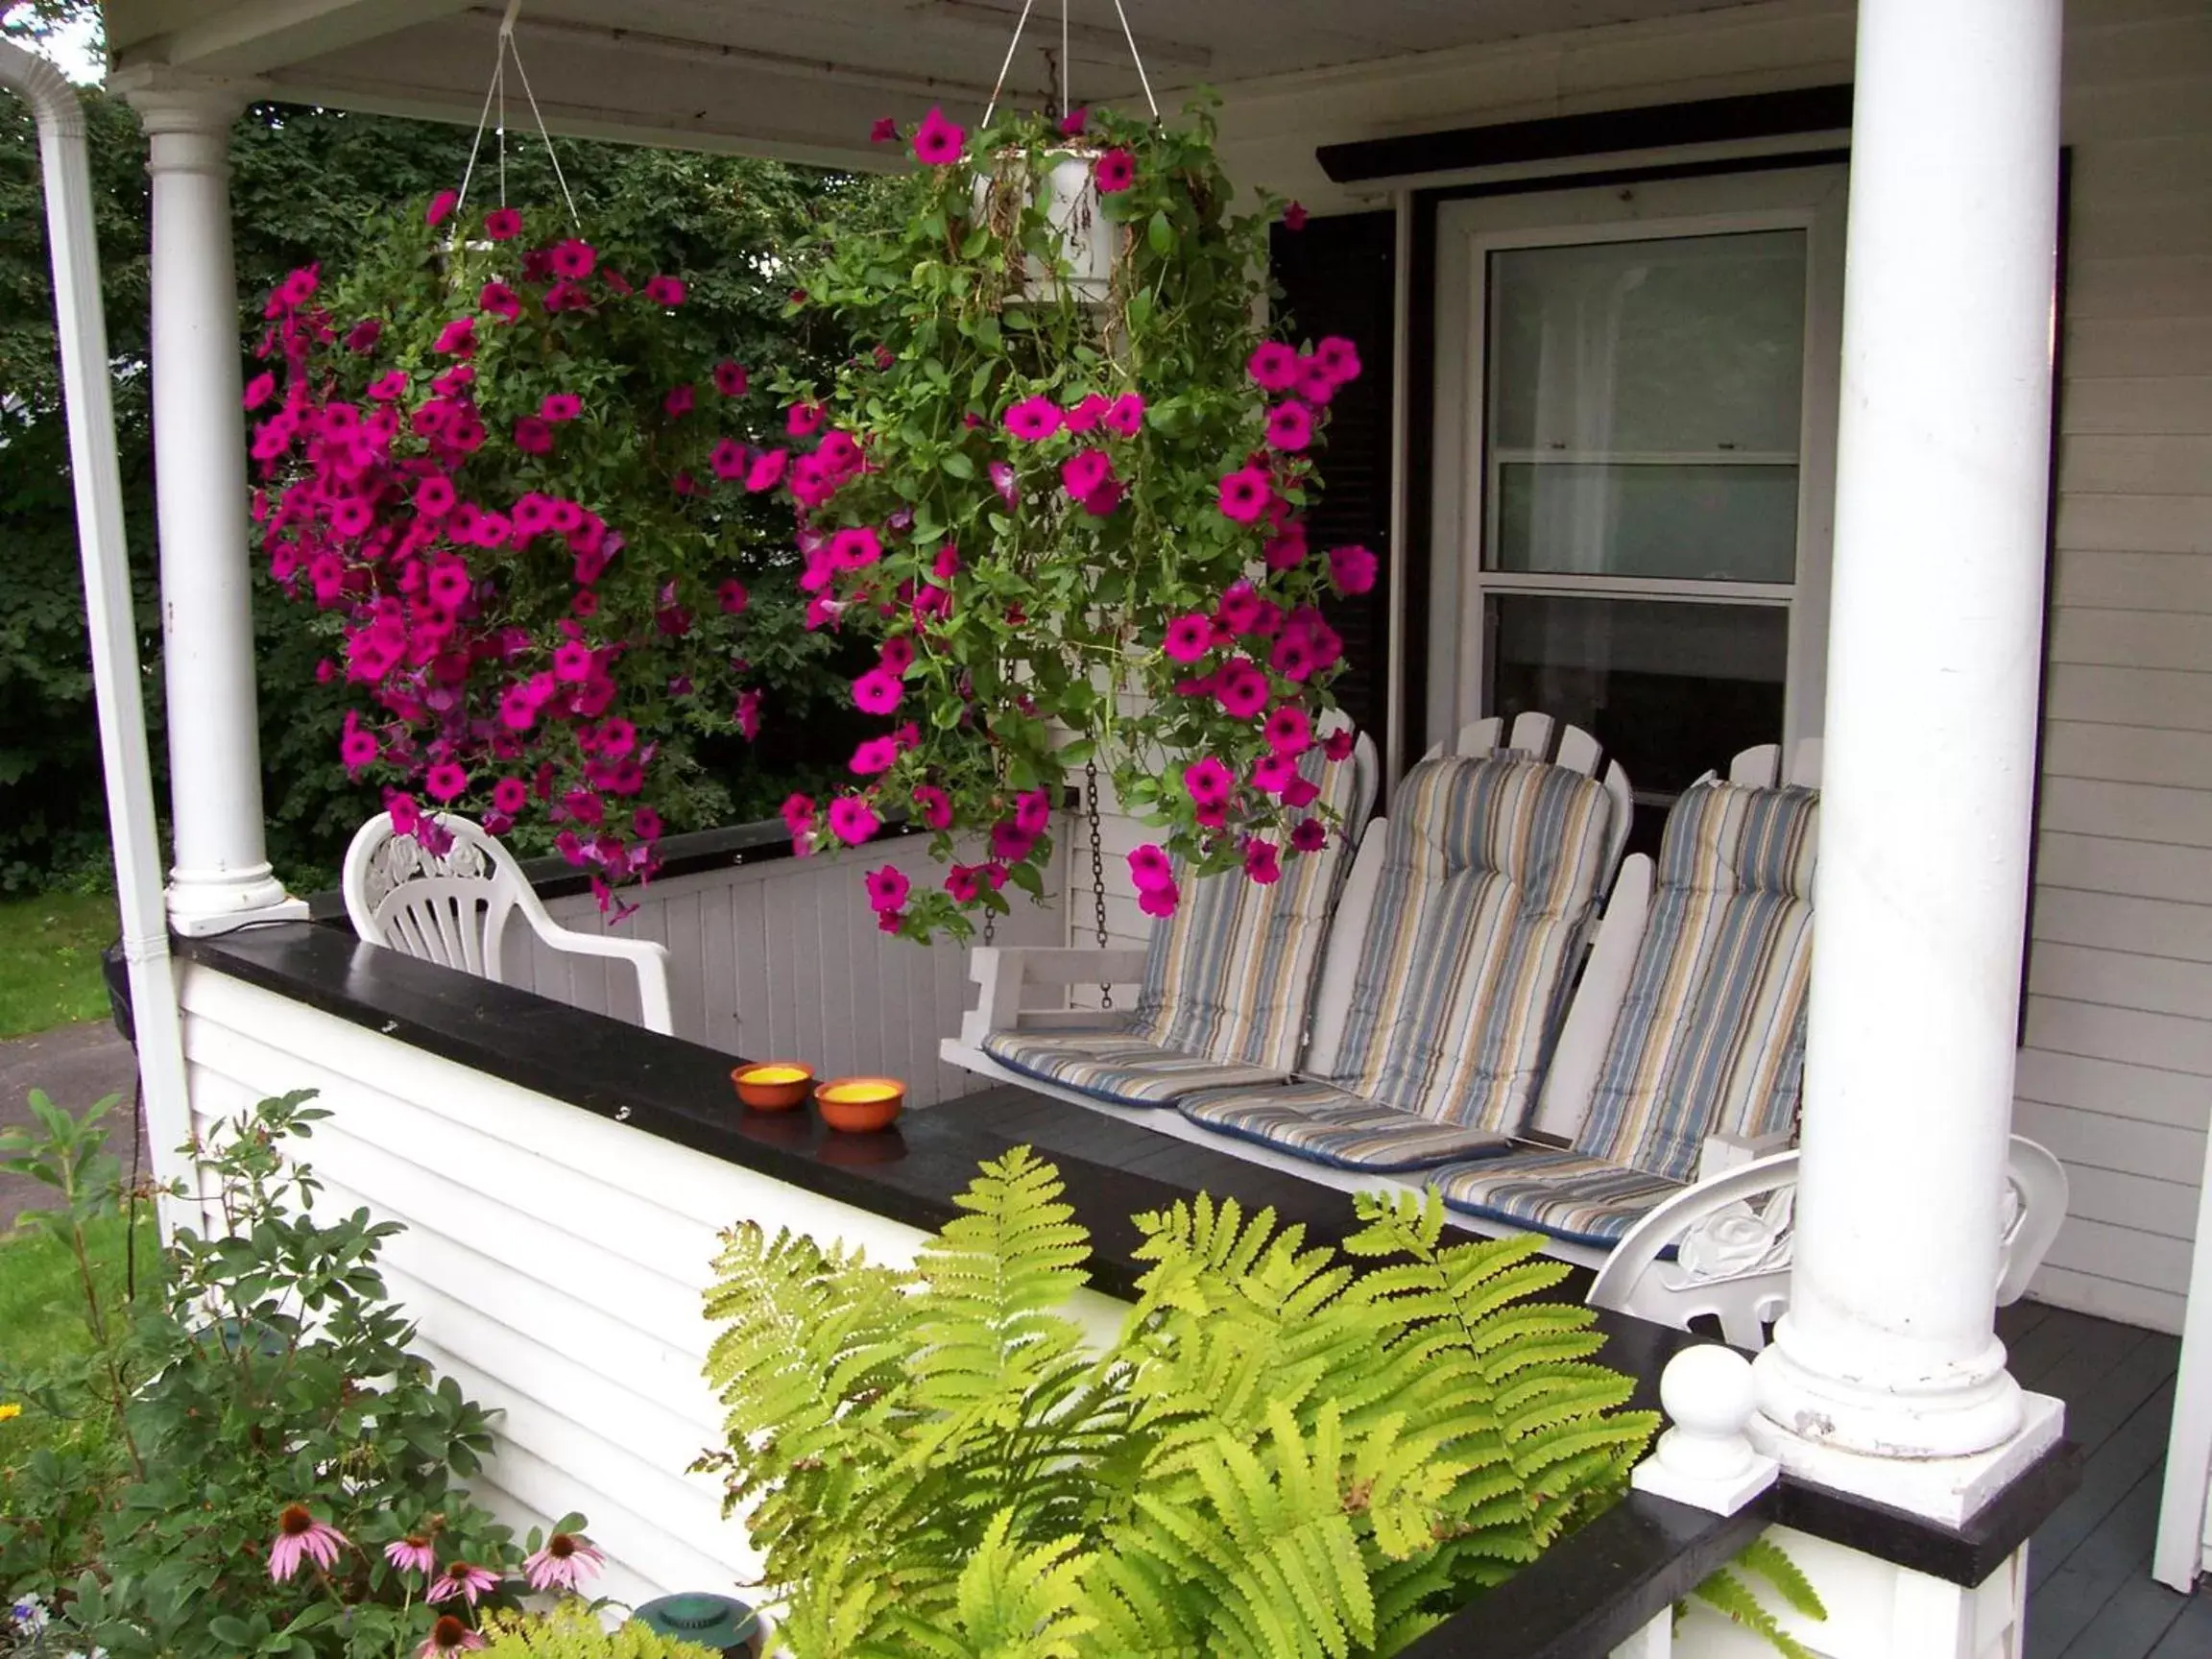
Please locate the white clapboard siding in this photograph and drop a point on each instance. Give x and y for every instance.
(782, 959)
(553, 1261)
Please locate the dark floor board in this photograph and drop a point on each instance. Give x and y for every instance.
(2047, 1343)
(2096, 1415)
(2132, 1623)
(2109, 1476)
(2112, 1556)
(2017, 1320)
(2087, 1361)
(2189, 1637)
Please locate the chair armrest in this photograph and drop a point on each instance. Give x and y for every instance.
(1725, 1152)
(1003, 969)
(648, 959)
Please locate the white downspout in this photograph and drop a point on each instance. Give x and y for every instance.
(82, 329)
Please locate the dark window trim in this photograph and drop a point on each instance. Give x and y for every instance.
(1607, 132)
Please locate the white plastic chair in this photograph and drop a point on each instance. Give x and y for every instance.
(1732, 1238)
(452, 909)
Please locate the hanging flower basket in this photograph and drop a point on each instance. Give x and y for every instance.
(1061, 187)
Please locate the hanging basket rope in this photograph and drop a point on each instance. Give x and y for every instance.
(1006, 63)
(495, 97)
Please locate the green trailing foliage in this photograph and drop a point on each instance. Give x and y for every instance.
(1285, 1450)
(1733, 1592)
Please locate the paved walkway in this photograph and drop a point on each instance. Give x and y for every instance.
(75, 1066)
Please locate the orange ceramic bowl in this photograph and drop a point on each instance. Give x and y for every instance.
(773, 1085)
(859, 1105)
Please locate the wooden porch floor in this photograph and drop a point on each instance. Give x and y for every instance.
(2090, 1591)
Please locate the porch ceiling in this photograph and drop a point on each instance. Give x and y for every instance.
(801, 79)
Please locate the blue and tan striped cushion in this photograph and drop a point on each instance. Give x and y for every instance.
(1231, 974)
(1489, 880)
(1314, 1120)
(1711, 1034)
(1569, 1195)
(1115, 1066)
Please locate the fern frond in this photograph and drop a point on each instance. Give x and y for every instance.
(1729, 1596)
(1772, 1562)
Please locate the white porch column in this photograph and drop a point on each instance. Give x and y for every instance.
(1885, 1377)
(222, 874)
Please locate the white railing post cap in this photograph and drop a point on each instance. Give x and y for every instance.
(1706, 1458)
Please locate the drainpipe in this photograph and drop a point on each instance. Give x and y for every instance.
(82, 329)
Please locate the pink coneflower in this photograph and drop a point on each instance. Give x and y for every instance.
(852, 821)
(441, 208)
(1245, 493)
(1289, 426)
(1262, 863)
(1189, 638)
(1150, 867)
(574, 259)
(1351, 569)
(534, 436)
(462, 1578)
(887, 888)
(561, 406)
(1086, 472)
(503, 224)
(1294, 217)
(300, 1536)
(885, 130)
(1288, 731)
(566, 1559)
(663, 291)
(1115, 171)
(937, 141)
(1034, 419)
(448, 1636)
(1125, 414)
(933, 806)
(411, 1553)
(878, 692)
(1274, 365)
(1208, 781)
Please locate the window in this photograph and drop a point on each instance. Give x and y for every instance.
(1635, 434)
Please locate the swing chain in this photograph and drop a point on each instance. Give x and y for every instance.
(1097, 869)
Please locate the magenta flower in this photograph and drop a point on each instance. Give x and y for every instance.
(534, 436)
(259, 390)
(358, 749)
(1338, 358)
(1286, 551)
(733, 597)
(1086, 472)
(1086, 415)
(1245, 493)
(935, 806)
(728, 459)
(1294, 656)
(1315, 384)
(503, 224)
(797, 813)
(1072, 122)
(572, 661)
(1207, 782)
(1115, 171)
(1150, 867)
(574, 259)
(386, 388)
(1294, 217)
(852, 821)
(1190, 637)
(895, 655)
(363, 335)
(462, 1578)
(1241, 689)
(874, 755)
(1034, 419)
(1351, 569)
(747, 715)
(937, 141)
(300, 1536)
(510, 795)
(1125, 414)
(854, 550)
(887, 889)
(413, 1555)
(1262, 863)
(1289, 426)
(1339, 743)
(663, 291)
(563, 1564)
(500, 300)
(1002, 481)
(805, 419)
(448, 1636)
(878, 692)
(679, 402)
(1032, 812)
(299, 287)
(646, 825)
(1009, 843)
(1159, 901)
(447, 584)
(560, 406)
(457, 338)
(766, 470)
(960, 880)
(1274, 365)
(441, 208)
(885, 130)
(1288, 731)
(1310, 835)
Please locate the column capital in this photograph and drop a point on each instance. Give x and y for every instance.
(177, 101)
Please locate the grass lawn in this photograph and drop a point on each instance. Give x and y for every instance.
(42, 1311)
(50, 966)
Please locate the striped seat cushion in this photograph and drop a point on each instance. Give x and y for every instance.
(1489, 879)
(1314, 1120)
(1569, 1195)
(1115, 1066)
(1711, 1034)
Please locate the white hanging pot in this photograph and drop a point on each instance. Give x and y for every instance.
(1089, 240)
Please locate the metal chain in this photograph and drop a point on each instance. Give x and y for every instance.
(1097, 869)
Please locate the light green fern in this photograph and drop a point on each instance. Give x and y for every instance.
(1286, 1455)
(1739, 1601)
(569, 1631)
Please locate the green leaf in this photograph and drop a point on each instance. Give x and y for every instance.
(1159, 234)
(958, 465)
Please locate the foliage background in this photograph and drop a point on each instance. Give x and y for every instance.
(309, 185)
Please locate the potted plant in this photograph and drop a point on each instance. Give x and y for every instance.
(1058, 490)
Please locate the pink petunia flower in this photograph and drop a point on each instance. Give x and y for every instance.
(500, 300)
(887, 888)
(457, 338)
(937, 141)
(1289, 426)
(534, 436)
(1115, 171)
(854, 548)
(1310, 835)
(1351, 569)
(574, 259)
(878, 692)
(933, 806)
(300, 1536)
(1338, 358)
(646, 825)
(1072, 122)
(728, 459)
(1339, 743)
(1159, 901)
(766, 470)
(1271, 774)
(1086, 472)
(1190, 637)
(413, 1555)
(1125, 414)
(1032, 812)
(448, 1636)
(441, 208)
(733, 597)
(561, 406)
(510, 795)
(503, 224)
(1009, 842)
(565, 1560)
(1034, 419)
(1002, 481)
(797, 813)
(730, 379)
(874, 755)
(259, 390)
(852, 821)
(1085, 416)
(1286, 551)
(1274, 365)
(679, 402)
(1241, 689)
(1150, 867)
(1288, 731)
(961, 880)
(1262, 863)
(663, 291)
(357, 749)
(885, 130)
(462, 1578)
(1207, 782)
(805, 419)
(747, 715)
(1294, 217)
(1245, 493)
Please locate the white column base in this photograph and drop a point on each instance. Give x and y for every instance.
(1949, 1490)
(202, 905)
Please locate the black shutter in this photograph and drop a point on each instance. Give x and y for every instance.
(1337, 276)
